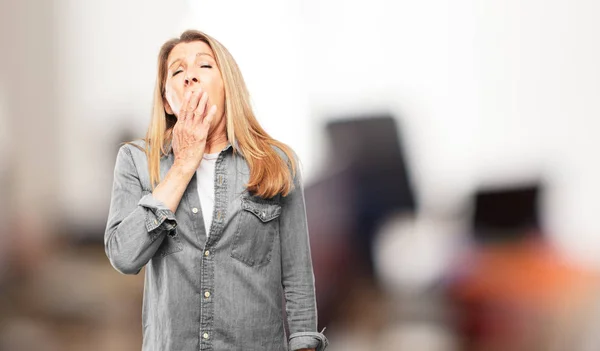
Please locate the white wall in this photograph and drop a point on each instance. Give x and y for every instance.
(488, 91)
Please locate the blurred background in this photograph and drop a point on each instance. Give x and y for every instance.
(449, 150)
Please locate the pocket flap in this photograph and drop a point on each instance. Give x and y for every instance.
(264, 211)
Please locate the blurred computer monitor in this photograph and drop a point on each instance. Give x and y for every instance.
(371, 146)
(506, 214)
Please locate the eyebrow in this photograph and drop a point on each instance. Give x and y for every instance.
(174, 62)
(204, 53)
(198, 54)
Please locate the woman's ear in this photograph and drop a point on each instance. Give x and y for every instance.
(168, 108)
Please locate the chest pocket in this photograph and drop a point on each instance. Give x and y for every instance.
(257, 227)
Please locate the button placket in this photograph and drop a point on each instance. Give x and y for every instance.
(208, 271)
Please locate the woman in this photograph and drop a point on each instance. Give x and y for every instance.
(214, 209)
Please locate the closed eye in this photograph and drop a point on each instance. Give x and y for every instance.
(177, 72)
(205, 66)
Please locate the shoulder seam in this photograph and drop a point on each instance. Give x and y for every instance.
(127, 149)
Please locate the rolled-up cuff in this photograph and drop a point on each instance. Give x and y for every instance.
(158, 214)
(308, 340)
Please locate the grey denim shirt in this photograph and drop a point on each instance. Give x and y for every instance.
(224, 291)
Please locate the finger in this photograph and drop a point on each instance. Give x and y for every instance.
(193, 104)
(199, 113)
(186, 101)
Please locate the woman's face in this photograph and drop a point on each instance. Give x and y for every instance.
(192, 66)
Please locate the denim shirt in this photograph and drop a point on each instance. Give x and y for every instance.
(224, 291)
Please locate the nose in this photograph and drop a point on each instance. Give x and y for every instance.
(190, 79)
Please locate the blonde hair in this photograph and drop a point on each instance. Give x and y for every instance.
(269, 173)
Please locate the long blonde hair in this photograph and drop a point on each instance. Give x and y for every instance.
(269, 173)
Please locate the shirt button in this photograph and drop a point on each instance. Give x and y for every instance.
(205, 335)
(206, 253)
(207, 294)
(195, 210)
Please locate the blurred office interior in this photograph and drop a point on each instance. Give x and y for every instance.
(449, 152)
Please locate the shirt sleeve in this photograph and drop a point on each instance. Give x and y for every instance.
(297, 272)
(137, 222)
(308, 340)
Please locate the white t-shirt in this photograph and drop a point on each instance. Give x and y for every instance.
(205, 175)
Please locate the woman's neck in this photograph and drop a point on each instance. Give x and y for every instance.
(216, 141)
(215, 147)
